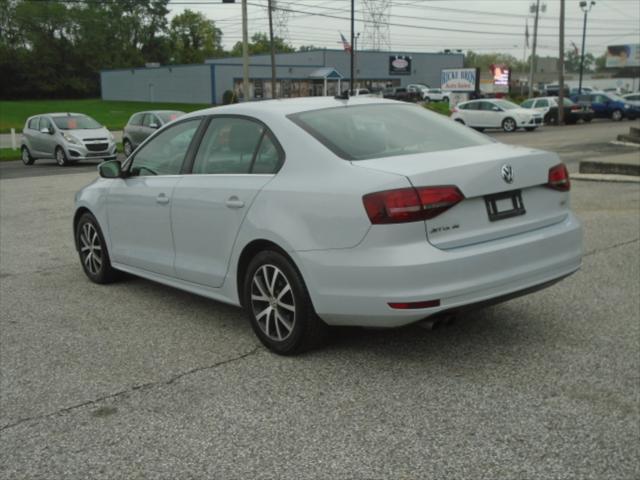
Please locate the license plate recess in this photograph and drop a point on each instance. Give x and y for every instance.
(504, 205)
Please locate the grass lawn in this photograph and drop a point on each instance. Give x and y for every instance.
(7, 154)
(113, 115)
(438, 107)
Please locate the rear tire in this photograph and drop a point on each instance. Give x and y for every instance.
(617, 115)
(445, 99)
(509, 125)
(61, 157)
(92, 249)
(460, 121)
(279, 307)
(588, 119)
(27, 159)
(127, 148)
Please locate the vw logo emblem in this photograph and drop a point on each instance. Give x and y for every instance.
(507, 173)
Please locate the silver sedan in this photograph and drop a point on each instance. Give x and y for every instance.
(322, 211)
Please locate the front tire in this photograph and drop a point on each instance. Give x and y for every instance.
(27, 159)
(61, 157)
(445, 99)
(279, 306)
(460, 121)
(92, 250)
(509, 125)
(617, 115)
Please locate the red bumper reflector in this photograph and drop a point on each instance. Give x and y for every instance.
(412, 305)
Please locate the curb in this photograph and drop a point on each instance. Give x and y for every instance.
(605, 177)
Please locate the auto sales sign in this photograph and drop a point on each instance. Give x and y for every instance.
(460, 79)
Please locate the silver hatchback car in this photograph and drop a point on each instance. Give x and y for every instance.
(67, 138)
(142, 124)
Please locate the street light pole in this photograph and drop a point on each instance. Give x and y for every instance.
(245, 53)
(353, 7)
(586, 8)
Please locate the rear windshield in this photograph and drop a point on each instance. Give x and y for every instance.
(75, 122)
(363, 132)
(167, 117)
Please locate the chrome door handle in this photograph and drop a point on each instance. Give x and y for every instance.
(234, 202)
(162, 198)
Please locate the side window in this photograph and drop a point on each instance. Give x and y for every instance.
(165, 153)
(473, 106)
(150, 119)
(268, 156)
(136, 119)
(527, 104)
(45, 123)
(33, 123)
(542, 103)
(486, 106)
(228, 146)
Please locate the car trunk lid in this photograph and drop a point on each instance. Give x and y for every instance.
(504, 188)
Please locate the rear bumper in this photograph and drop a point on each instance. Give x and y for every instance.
(354, 286)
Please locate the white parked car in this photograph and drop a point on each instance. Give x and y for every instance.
(632, 98)
(496, 113)
(316, 211)
(436, 95)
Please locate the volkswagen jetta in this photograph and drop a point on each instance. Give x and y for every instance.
(321, 211)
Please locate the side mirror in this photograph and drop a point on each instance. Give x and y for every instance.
(495, 109)
(48, 131)
(153, 125)
(110, 169)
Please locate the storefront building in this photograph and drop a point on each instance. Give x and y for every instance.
(312, 73)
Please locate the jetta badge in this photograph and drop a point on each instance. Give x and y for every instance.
(507, 173)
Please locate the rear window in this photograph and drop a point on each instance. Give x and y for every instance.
(75, 122)
(379, 130)
(167, 117)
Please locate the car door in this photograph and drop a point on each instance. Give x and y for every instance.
(139, 205)
(471, 114)
(48, 141)
(149, 125)
(542, 106)
(599, 104)
(236, 159)
(31, 134)
(488, 116)
(132, 130)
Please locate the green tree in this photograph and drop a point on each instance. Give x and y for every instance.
(572, 61)
(194, 38)
(260, 44)
(485, 60)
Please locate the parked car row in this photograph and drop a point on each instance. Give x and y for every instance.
(71, 137)
(496, 113)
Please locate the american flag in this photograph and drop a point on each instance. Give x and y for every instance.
(345, 44)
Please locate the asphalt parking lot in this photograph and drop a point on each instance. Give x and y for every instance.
(137, 380)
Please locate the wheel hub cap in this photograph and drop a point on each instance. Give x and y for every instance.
(273, 303)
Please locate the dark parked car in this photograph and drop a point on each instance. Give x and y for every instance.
(401, 93)
(548, 106)
(143, 124)
(608, 105)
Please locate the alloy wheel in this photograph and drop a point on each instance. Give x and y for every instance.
(509, 125)
(90, 249)
(273, 303)
(127, 149)
(26, 158)
(60, 160)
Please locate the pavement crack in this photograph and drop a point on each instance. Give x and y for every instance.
(610, 247)
(134, 388)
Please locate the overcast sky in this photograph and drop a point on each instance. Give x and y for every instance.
(479, 25)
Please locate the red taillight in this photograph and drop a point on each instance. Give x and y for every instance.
(412, 305)
(410, 204)
(559, 178)
(575, 108)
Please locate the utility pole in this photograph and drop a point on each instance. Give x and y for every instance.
(352, 77)
(355, 57)
(273, 52)
(561, 67)
(534, 7)
(245, 53)
(585, 6)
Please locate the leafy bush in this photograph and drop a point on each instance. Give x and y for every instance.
(229, 97)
